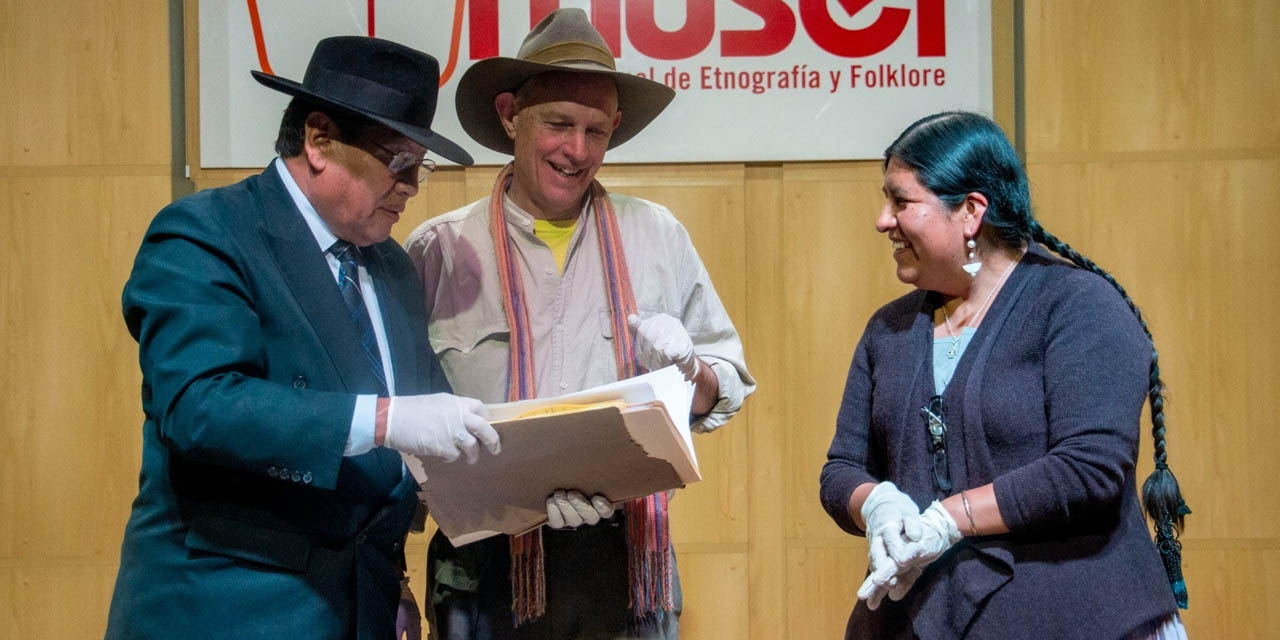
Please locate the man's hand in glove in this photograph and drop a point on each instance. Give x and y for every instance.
(440, 425)
(662, 341)
(570, 509)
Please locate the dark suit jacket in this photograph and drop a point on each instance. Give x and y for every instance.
(1045, 403)
(249, 522)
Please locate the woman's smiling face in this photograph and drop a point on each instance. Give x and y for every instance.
(928, 236)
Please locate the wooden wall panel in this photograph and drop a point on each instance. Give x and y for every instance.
(1234, 588)
(77, 387)
(715, 600)
(86, 83)
(1151, 75)
(822, 586)
(83, 167)
(55, 599)
(766, 416)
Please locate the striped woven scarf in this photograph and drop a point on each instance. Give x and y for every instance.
(649, 570)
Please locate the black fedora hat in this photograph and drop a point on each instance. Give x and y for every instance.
(380, 80)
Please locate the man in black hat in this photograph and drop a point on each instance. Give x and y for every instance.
(283, 371)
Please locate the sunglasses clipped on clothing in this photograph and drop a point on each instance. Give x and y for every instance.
(935, 423)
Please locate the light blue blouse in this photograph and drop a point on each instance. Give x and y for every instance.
(944, 366)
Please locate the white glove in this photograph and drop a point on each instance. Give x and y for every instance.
(662, 341)
(901, 584)
(938, 533)
(570, 509)
(893, 521)
(440, 425)
(886, 577)
(882, 569)
(892, 516)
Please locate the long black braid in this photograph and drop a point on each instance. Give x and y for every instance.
(957, 153)
(1161, 496)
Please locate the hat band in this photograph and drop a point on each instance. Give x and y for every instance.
(360, 93)
(561, 52)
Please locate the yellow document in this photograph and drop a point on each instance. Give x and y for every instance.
(560, 409)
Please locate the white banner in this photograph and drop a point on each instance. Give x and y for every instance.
(755, 80)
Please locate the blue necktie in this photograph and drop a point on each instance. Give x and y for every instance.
(348, 256)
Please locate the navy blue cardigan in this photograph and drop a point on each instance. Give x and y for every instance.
(1045, 403)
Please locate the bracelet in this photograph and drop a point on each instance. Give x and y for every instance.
(382, 410)
(973, 528)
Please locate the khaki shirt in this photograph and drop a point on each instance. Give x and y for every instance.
(568, 312)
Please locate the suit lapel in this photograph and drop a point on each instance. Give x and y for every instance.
(396, 320)
(311, 281)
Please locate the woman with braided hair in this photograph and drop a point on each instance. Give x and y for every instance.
(988, 434)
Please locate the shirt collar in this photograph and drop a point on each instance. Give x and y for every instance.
(324, 237)
(522, 219)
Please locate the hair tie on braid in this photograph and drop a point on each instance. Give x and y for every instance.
(1161, 495)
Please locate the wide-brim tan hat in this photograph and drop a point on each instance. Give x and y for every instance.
(564, 41)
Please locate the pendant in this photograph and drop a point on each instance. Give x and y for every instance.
(951, 353)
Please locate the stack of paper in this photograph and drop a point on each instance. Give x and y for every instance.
(623, 440)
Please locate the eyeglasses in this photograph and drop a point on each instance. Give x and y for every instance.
(402, 161)
(937, 427)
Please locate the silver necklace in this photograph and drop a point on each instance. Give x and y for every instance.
(955, 339)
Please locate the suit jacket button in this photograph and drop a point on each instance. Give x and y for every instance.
(306, 478)
(361, 538)
(271, 471)
(299, 383)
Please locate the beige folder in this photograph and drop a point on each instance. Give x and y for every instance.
(620, 450)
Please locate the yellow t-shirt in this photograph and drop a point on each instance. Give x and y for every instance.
(557, 234)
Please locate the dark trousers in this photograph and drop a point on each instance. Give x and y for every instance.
(587, 591)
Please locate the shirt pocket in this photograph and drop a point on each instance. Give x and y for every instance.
(475, 357)
(466, 338)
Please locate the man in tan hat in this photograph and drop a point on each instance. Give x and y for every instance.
(281, 372)
(551, 285)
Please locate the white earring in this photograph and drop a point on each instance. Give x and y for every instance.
(973, 265)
